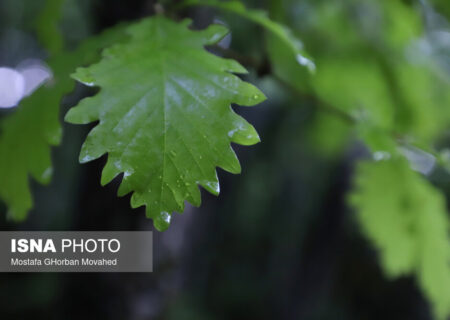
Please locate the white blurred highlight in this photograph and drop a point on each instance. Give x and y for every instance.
(35, 73)
(15, 84)
(12, 87)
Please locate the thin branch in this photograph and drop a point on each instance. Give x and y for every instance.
(264, 68)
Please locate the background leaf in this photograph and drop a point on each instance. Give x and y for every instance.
(27, 135)
(47, 26)
(281, 32)
(405, 217)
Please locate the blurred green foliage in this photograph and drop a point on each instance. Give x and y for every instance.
(406, 219)
(372, 65)
(381, 84)
(27, 135)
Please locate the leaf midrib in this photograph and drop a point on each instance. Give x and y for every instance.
(163, 78)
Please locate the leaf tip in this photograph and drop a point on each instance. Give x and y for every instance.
(212, 187)
(84, 76)
(69, 116)
(16, 215)
(214, 33)
(84, 158)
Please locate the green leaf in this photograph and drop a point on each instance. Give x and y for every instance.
(319, 134)
(25, 141)
(27, 135)
(165, 115)
(378, 74)
(405, 217)
(260, 17)
(442, 7)
(47, 26)
(361, 91)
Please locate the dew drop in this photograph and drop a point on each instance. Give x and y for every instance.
(127, 173)
(381, 155)
(165, 216)
(87, 158)
(304, 61)
(47, 173)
